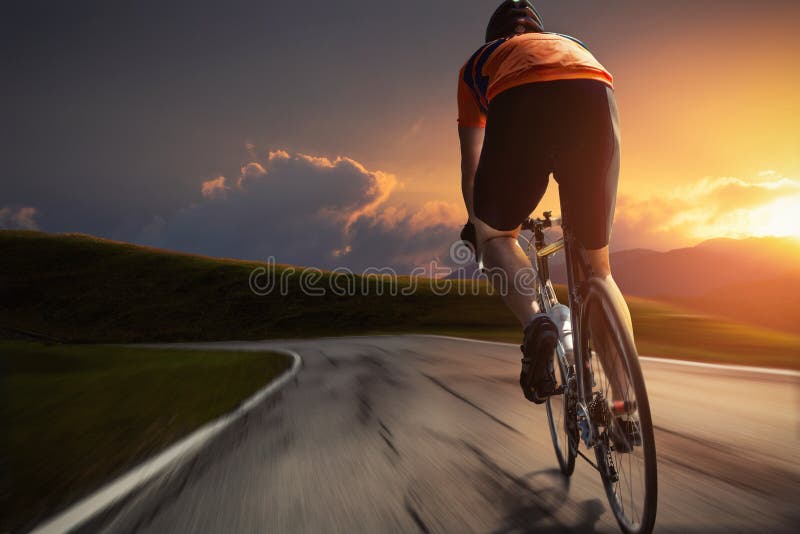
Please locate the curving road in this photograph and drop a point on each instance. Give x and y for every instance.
(418, 433)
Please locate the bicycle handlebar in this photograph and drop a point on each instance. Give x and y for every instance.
(547, 222)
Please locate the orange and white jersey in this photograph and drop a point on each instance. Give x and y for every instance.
(512, 61)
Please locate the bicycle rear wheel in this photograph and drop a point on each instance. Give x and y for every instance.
(561, 418)
(619, 410)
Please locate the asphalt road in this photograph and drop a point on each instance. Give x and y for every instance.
(415, 433)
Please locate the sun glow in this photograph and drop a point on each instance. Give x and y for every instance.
(780, 218)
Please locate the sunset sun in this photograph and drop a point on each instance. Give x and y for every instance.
(780, 218)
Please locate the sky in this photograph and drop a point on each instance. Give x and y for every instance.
(324, 133)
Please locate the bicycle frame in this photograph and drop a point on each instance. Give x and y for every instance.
(578, 270)
(585, 412)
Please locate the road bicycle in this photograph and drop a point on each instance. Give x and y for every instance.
(601, 400)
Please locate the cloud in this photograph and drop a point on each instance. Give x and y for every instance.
(250, 172)
(711, 207)
(402, 236)
(18, 218)
(722, 195)
(279, 154)
(435, 213)
(216, 188)
(308, 210)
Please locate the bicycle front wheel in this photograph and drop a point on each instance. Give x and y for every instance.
(619, 409)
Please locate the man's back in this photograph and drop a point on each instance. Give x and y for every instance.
(512, 61)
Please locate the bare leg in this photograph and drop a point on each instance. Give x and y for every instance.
(502, 255)
(601, 268)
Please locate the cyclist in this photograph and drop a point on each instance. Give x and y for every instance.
(531, 103)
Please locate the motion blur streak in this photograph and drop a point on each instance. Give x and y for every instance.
(418, 433)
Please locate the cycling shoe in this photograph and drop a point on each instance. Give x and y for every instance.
(537, 378)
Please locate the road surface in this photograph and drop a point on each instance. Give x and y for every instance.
(426, 434)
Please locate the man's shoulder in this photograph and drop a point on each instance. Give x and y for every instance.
(570, 38)
(484, 51)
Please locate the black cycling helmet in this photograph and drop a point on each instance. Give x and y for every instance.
(511, 17)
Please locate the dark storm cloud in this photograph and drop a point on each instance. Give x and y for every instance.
(307, 210)
(405, 240)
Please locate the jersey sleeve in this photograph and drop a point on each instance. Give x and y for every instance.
(470, 114)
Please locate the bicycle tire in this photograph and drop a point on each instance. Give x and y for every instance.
(600, 299)
(565, 442)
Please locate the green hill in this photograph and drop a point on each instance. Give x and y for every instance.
(81, 289)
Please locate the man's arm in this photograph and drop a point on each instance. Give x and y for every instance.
(471, 144)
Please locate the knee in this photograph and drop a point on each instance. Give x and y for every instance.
(486, 234)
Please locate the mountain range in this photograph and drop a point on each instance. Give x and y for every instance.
(754, 280)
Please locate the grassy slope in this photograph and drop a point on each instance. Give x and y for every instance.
(771, 302)
(80, 288)
(75, 416)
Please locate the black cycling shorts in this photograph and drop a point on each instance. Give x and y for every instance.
(568, 128)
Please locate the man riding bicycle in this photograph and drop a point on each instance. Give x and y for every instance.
(532, 103)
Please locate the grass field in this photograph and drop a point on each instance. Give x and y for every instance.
(78, 288)
(73, 417)
(670, 333)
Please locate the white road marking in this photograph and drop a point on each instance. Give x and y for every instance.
(720, 366)
(84, 510)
